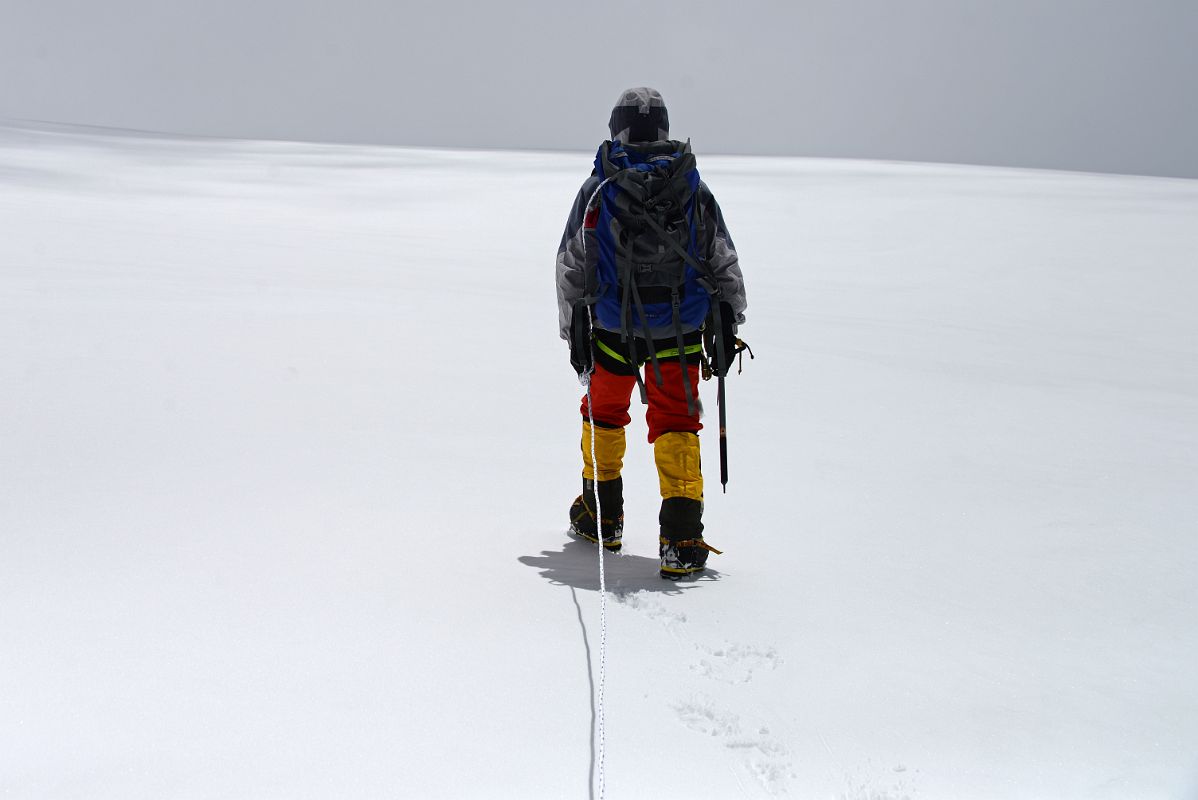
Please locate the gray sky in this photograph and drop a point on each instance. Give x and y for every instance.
(1073, 84)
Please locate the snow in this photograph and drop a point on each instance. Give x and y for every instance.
(287, 440)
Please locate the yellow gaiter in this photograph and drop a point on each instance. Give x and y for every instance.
(678, 468)
(609, 449)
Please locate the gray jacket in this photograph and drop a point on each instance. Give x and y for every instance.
(571, 255)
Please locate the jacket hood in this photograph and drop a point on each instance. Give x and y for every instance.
(639, 115)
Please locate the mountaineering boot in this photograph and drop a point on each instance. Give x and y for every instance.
(605, 445)
(611, 504)
(683, 551)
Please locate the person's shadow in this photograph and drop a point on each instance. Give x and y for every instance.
(576, 565)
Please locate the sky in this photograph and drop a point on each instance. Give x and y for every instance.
(1095, 85)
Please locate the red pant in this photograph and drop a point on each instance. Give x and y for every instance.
(612, 395)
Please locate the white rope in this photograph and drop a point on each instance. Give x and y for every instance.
(599, 716)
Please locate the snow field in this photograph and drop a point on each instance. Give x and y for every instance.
(287, 440)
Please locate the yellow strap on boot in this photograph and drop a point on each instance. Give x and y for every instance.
(697, 543)
(678, 468)
(609, 449)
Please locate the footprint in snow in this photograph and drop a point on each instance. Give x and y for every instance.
(653, 609)
(735, 663)
(700, 716)
(766, 758)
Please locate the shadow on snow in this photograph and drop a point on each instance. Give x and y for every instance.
(576, 565)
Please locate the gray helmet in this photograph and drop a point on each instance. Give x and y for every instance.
(639, 116)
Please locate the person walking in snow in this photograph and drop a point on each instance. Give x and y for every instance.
(646, 275)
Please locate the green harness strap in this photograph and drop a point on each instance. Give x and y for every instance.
(661, 354)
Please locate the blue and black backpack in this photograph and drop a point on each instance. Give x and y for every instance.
(650, 278)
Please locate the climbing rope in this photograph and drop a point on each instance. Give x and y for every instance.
(599, 716)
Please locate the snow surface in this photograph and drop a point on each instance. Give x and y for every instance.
(287, 440)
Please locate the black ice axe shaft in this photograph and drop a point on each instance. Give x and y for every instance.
(723, 360)
(723, 436)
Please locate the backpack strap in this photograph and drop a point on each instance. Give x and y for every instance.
(710, 285)
(686, 380)
(640, 310)
(626, 334)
